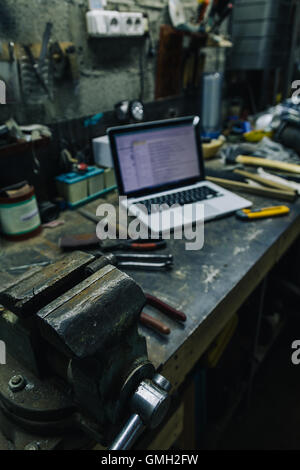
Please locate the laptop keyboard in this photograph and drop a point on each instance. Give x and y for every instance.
(202, 193)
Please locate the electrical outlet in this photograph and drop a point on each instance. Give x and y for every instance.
(132, 24)
(96, 23)
(103, 23)
(113, 23)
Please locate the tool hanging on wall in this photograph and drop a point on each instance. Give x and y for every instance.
(73, 63)
(59, 62)
(37, 83)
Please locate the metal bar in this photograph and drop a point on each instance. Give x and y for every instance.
(129, 434)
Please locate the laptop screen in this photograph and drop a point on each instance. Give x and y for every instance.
(150, 158)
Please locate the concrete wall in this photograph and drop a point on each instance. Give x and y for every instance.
(110, 69)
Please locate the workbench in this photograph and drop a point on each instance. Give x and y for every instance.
(208, 285)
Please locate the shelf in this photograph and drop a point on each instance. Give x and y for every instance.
(23, 147)
(90, 198)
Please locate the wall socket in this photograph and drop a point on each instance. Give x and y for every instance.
(113, 23)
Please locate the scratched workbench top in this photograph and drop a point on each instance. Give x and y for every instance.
(199, 280)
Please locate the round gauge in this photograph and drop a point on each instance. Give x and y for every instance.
(137, 110)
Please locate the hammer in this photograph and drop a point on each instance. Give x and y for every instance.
(263, 162)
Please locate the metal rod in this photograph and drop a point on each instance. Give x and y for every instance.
(144, 257)
(129, 434)
(147, 266)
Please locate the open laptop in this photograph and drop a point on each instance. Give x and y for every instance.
(160, 164)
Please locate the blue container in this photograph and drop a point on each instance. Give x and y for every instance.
(76, 187)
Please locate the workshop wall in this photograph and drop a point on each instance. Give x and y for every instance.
(110, 69)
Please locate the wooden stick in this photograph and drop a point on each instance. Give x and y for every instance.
(265, 163)
(266, 192)
(264, 181)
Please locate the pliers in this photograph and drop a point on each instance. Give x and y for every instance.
(144, 261)
(149, 262)
(157, 325)
(133, 245)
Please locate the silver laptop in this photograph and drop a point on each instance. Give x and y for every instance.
(159, 168)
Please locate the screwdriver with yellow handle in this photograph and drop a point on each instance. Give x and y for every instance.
(273, 211)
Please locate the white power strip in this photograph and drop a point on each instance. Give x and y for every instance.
(113, 23)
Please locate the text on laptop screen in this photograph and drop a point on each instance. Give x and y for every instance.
(154, 157)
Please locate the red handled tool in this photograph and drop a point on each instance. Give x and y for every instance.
(134, 245)
(165, 308)
(168, 310)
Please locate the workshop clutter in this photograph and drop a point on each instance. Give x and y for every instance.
(19, 214)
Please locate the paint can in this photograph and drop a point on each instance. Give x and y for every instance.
(19, 215)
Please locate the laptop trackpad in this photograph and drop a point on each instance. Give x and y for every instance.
(210, 210)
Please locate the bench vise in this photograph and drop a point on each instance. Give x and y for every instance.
(77, 370)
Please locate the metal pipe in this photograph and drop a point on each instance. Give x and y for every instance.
(129, 434)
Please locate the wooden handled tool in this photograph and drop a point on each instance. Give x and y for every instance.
(161, 306)
(264, 181)
(165, 308)
(266, 163)
(157, 325)
(266, 192)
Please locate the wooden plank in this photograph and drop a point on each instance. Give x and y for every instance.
(22, 147)
(264, 181)
(187, 438)
(169, 62)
